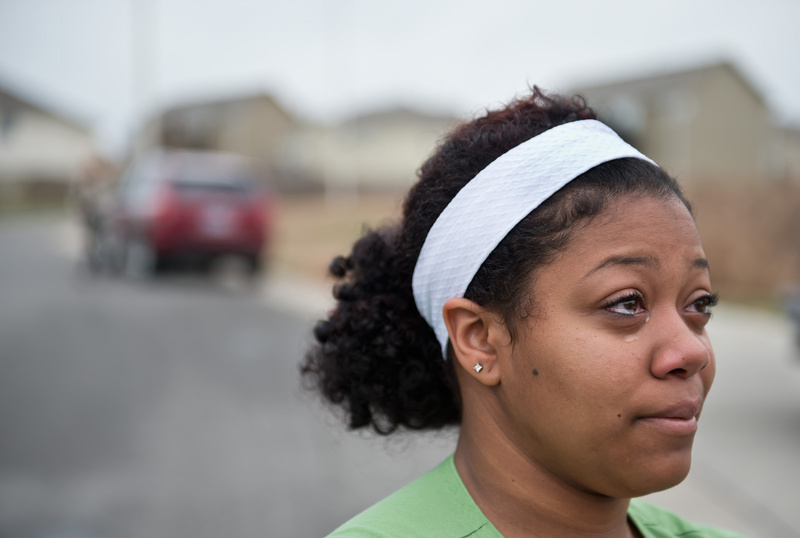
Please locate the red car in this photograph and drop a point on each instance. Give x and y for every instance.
(190, 206)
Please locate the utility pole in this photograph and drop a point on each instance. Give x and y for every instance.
(144, 48)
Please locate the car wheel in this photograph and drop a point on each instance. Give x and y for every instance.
(256, 265)
(233, 273)
(140, 260)
(104, 253)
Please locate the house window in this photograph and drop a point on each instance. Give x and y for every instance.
(627, 116)
(8, 118)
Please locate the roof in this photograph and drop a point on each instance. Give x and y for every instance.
(35, 100)
(657, 82)
(230, 100)
(399, 113)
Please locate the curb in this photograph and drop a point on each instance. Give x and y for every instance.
(302, 296)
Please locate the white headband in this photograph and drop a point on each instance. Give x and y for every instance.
(494, 201)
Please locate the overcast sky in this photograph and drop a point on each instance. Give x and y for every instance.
(325, 59)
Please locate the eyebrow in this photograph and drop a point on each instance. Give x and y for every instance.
(645, 261)
(700, 263)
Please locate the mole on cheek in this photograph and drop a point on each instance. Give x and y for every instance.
(535, 372)
(619, 415)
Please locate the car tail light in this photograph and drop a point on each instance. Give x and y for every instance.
(165, 203)
(165, 216)
(259, 214)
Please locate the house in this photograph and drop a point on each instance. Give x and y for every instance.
(252, 125)
(378, 150)
(787, 153)
(703, 124)
(42, 152)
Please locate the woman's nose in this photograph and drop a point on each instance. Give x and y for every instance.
(681, 349)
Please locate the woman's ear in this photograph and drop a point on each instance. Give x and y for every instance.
(473, 333)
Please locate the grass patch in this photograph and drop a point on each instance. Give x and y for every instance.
(311, 231)
(751, 235)
(16, 209)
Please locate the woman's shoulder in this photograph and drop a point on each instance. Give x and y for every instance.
(436, 504)
(655, 522)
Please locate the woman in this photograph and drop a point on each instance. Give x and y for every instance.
(546, 290)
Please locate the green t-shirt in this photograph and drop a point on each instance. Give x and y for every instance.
(438, 505)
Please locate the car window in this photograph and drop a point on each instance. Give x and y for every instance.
(222, 186)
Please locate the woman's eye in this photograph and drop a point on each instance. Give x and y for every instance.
(627, 306)
(704, 304)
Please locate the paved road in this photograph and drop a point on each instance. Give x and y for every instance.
(174, 410)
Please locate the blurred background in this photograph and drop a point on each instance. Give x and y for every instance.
(175, 177)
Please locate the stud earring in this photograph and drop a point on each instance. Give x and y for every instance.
(477, 367)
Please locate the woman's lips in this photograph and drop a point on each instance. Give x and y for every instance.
(680, 419)
(671, 425)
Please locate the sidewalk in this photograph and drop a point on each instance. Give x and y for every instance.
(310, 299)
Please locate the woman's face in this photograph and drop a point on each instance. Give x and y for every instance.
(609, 373)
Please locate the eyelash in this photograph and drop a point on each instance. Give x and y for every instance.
(632, 296)
(706, 303)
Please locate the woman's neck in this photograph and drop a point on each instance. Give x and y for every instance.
(521, 498)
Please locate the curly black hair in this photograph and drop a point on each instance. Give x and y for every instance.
(376, 356)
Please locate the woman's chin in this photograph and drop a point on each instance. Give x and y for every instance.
(653, 479)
